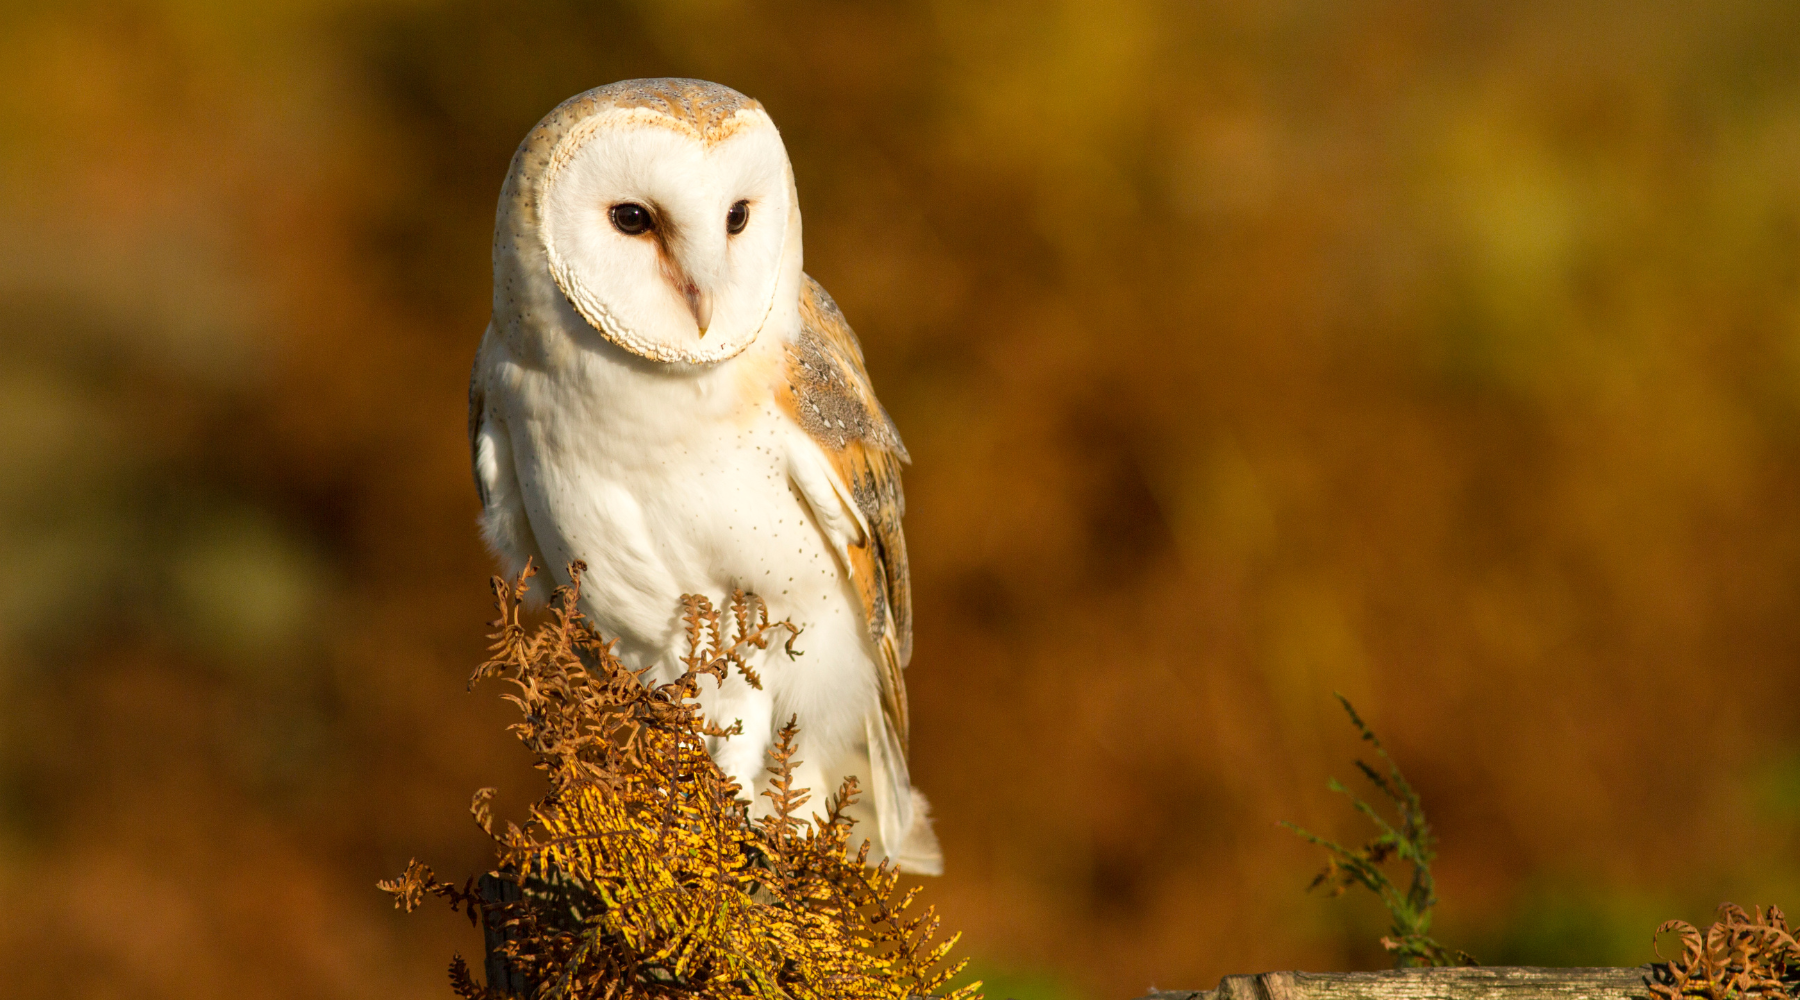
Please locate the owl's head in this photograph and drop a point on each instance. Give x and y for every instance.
(664, 213)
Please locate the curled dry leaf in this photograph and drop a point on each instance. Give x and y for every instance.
(1741, 955)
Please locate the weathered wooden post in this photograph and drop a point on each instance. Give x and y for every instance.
(497, 892)
(1458, 983)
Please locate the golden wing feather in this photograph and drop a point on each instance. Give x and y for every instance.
(830, 397)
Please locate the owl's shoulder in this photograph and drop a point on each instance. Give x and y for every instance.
(828, 389)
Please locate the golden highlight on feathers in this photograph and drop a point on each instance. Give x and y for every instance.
(708, 111)
(640, 875)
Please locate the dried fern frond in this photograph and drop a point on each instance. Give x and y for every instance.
(1740, 955)
(641, 873)
(1412, 842)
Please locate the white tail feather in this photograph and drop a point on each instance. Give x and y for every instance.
(919, 853)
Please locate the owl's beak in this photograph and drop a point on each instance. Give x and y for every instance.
(700, 304)
(687, 268)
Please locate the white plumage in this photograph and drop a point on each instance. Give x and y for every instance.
(663, 395)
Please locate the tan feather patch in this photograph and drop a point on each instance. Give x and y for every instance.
(705, 110)
(708, 108)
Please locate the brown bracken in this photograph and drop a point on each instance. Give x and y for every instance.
(641, 872)
(1740, 955)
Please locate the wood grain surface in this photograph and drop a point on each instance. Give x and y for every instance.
(1476, 983)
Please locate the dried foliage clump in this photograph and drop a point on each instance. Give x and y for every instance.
(1412, 841)
(641, 874)
(1740, 955)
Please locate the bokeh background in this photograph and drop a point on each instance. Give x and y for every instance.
(1445, 354)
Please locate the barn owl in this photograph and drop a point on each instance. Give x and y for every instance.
(664, 395)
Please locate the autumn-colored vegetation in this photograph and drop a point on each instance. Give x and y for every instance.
(640, 874)
(1739, 957)
(1445, 354)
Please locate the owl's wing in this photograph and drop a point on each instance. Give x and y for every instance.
(830, 397)
(481, 445)
(503, 521)
(851, 480)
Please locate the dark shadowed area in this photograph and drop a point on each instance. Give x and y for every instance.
(1445, 354)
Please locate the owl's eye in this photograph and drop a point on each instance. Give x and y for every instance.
(737, 217)
(631, 219)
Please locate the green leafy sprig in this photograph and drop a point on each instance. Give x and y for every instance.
(1411, 842)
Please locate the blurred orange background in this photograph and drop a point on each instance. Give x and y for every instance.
(1443, 354)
